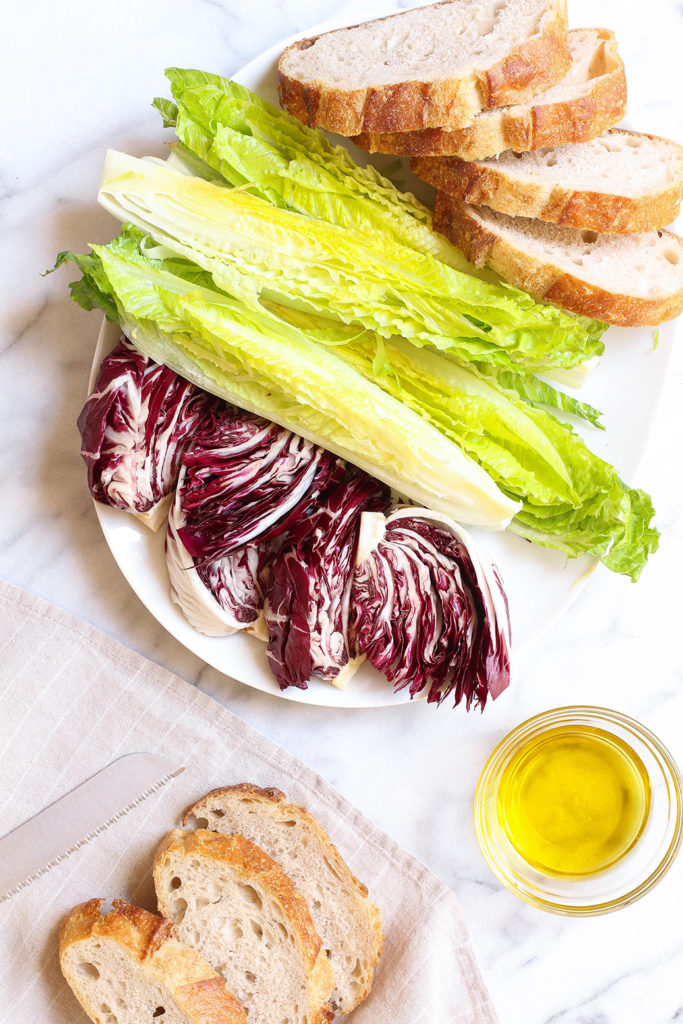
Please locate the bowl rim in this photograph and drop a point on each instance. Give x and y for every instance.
(596, 715)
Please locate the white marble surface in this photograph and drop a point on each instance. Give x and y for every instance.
(79, 76)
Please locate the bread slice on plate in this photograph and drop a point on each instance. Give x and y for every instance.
(630, 280)
(236, 906)
(590, 98)
(124, 967)
(432, 66)
(347, 922)
(620, 182)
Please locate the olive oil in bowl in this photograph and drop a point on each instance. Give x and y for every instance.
(574, 800)
(579, 810)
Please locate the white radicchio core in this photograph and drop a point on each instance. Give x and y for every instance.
(220, 597)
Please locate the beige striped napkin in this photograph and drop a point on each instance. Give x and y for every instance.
(73, 700)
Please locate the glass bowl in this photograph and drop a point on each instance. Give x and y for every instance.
(633, 874)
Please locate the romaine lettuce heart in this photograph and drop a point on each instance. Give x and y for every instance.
(227, 133)
(255, 250)
(255, 360)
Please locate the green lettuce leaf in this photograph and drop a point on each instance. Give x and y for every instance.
(92, 290)
(542, 394)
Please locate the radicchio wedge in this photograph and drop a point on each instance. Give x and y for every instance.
(309, 588)
(134, 428)
(429, 611)
(247, 481)
(223, 596)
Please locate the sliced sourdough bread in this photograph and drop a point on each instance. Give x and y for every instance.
(124, 967)
(347, 922)
(590, 98)
(236, 906)
(432, 66)
(630, 280)
(620, 182)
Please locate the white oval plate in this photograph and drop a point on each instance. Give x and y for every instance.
(540, 584)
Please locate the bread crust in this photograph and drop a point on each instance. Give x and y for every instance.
(197, 990)
(276, 798)
(544, 280)
(608, 213)
(522, 128)
(252, 863)
(530, 67)
(269, 793)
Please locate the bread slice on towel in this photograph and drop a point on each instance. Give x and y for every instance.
(630, 280)
(432, 66)
(620, 182)
(347, 922)
(236, 906)
(124, 967)
(590, 98)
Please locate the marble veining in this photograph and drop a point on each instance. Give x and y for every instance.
(78, 77)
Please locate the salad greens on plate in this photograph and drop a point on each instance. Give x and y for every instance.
(268, 268)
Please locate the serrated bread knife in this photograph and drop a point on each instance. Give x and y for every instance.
(60, 829)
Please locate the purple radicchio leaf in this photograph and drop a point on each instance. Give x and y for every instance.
(135, 426)
(223, 596)
(430, 612)
(308, 596)
(247, 480)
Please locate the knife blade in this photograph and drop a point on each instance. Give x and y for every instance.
(74, 819)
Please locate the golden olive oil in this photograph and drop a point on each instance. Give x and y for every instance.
(573, 800)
